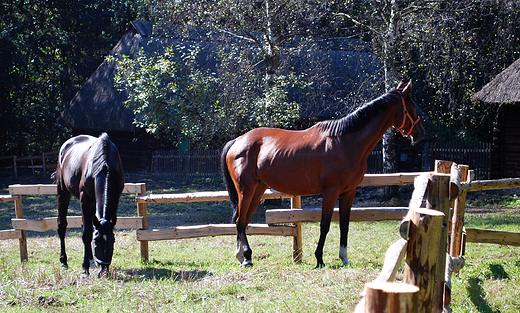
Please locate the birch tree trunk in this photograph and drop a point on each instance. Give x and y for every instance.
(388, 141)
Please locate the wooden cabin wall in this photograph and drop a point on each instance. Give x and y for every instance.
(505, 155)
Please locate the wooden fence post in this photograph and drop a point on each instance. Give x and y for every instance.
(142, 211)
(457, 221)
(438, 199)
(44, 170)
(422, 254)
(18, 210)
(296, 203)
(391, 297)
(15, 167)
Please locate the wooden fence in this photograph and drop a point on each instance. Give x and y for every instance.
(15, 165)
(476, 155)
(171, 164)
(203, 164)
(433, 237)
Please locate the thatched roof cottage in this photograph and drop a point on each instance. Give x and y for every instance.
(504, 93)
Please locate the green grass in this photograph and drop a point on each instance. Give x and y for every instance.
(202, 275)
(195, 275)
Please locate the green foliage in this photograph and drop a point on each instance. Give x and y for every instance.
(449, 49)
(170, 92)
(49, 49)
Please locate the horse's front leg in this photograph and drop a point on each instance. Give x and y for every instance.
(87, 207)
(345, 204)
(63, 205)
(327, 208)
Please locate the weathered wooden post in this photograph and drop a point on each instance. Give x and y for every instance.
(438, 199)
(391, 297)
(296, 203)
(18, 210)
(15, 167)
(457, 221)
(44, 165)
(422, 251)
(142, 211)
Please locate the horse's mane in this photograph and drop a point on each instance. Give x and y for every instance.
(101, 161)
(101, 153)
(358, 119)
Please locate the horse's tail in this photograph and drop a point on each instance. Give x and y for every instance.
(226, 176)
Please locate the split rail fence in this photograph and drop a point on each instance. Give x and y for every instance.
(433, 241)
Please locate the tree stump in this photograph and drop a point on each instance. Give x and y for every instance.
(391, 297)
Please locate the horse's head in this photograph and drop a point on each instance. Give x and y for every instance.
(409, 121)
(104, 240)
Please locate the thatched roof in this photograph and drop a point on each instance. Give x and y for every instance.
(99, 106)
(503, 89)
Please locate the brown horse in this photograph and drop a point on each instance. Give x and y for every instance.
(90, 169)
(329, 158)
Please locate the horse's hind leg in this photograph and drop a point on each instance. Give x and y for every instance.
(244, 252)
(63, 205)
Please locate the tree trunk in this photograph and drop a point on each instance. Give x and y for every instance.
(388, 142)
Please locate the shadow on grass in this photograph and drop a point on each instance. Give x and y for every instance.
(478, 296)
(157, 270)
(498, 271)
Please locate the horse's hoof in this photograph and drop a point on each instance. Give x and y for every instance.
(320, 265)
(64, 266)
(246, 263)
(347, 264)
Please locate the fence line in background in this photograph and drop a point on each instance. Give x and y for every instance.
(46, 162)
(198, 164)
(476, 155)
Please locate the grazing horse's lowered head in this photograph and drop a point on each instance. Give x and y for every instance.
(329, 158)
(90, 169)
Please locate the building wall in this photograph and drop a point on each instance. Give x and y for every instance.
(505, 156)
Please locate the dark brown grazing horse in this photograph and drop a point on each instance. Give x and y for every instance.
(90, 169)
(329, 158)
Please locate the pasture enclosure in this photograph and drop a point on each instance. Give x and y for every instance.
(446, 188)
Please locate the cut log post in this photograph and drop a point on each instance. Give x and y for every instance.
(438, 199)
(457, 220)
(422, 254)
(391, 297)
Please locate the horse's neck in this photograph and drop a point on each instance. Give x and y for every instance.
(372, 133)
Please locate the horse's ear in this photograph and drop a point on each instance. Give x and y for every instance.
(407, 89)
(400, 85)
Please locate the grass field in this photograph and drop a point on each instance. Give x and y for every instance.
(202, 275)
